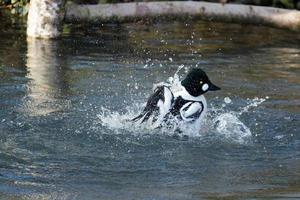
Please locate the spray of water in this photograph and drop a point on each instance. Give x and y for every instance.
(228, 123)
(219, 121)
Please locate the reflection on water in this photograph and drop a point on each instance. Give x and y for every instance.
(46, 76)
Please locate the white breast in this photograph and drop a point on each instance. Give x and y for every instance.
(185, 95)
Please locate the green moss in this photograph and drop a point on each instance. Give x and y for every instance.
(284, 4)
(18, 7)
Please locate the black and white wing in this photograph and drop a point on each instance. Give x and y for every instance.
(191, 111)
(158, 104)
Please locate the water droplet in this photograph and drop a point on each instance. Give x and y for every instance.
(227, 100)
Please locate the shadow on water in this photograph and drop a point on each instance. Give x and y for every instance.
(51, 93)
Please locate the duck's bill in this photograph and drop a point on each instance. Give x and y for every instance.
(213, 87)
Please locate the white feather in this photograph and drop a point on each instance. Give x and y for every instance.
(205, 87)
(164, 107)
(193, 108)
(185, 95)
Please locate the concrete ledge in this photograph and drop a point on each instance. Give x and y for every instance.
(275, 17)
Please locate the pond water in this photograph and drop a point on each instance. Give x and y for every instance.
(65, 103)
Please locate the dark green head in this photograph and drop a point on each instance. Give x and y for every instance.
(197, 83)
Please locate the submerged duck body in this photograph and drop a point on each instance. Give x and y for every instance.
(188, 104)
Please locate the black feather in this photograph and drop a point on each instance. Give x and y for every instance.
(151, 107)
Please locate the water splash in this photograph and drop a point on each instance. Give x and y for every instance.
(228, 123)
(253, 103)
(173, 82)
(231, 127)
(219, 121)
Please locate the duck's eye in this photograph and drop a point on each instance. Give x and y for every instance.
(201, 82)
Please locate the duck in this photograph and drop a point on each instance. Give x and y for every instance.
(187, 104)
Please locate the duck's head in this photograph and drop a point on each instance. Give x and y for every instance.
(197, 83)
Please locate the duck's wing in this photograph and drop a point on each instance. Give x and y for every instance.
(191, 111)
(158, 104)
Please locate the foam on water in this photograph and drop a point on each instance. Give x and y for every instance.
(228, 123)
(219, 121)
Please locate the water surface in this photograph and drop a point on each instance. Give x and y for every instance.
(54, 144)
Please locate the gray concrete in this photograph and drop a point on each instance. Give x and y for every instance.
(276, 17)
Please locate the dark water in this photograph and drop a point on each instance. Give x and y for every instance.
(54, 146)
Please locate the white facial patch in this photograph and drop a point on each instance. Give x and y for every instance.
(205, 87)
